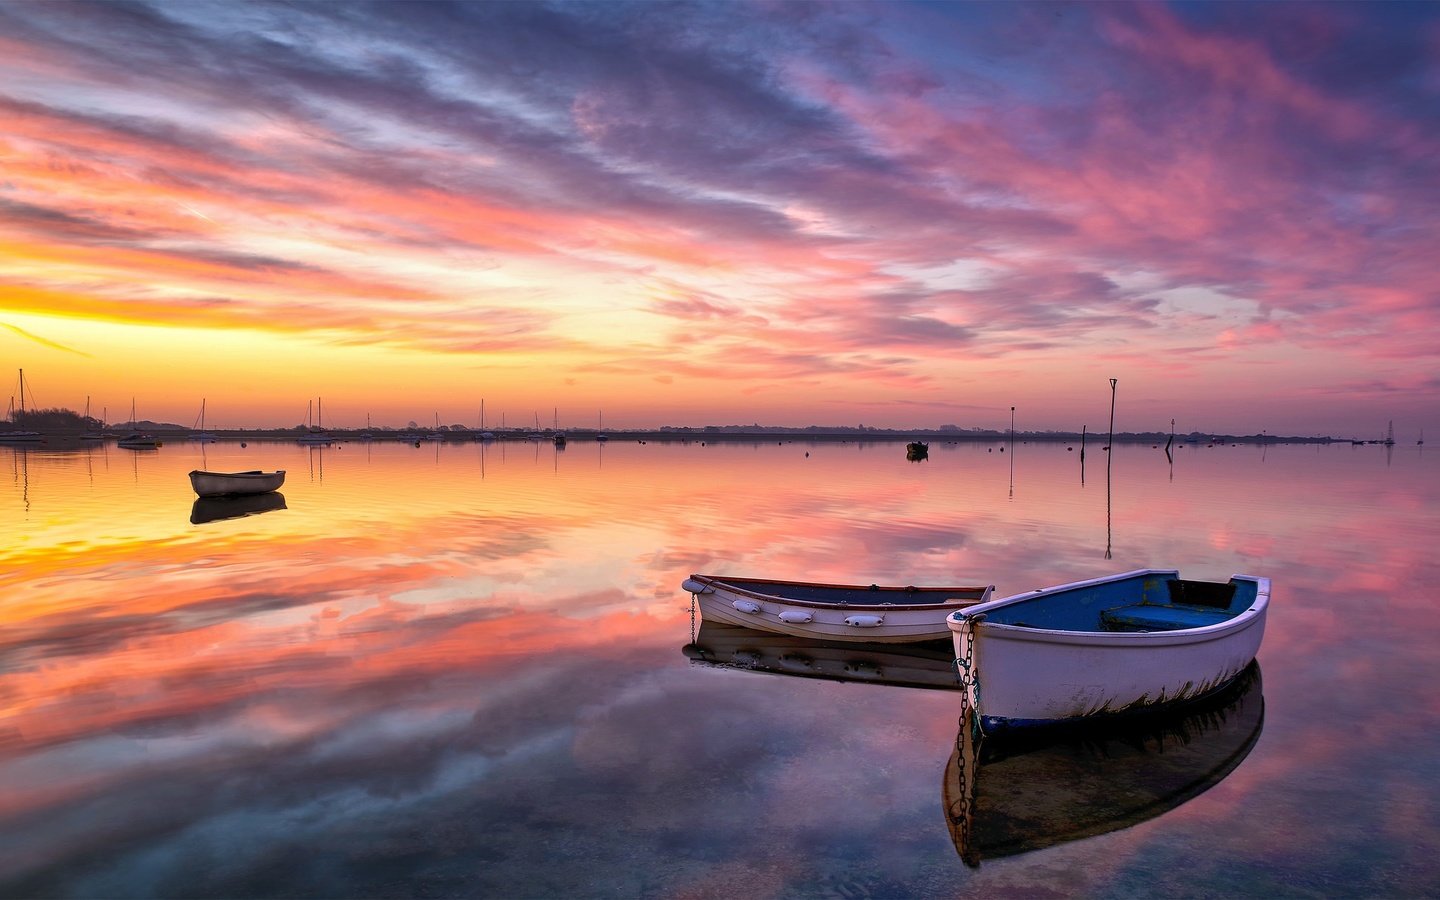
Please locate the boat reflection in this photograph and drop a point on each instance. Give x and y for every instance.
(925, 665)
(1019, 792)
(211, 509)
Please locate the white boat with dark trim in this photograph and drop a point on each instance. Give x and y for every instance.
(836, 612)
(1127, 643)
(235, 484)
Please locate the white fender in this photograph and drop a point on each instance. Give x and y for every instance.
(746, 606)
(696, 587)
(865, 621)
(796, 617)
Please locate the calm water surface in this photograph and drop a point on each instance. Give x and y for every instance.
(466, 670)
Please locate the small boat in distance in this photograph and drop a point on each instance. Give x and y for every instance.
(235, 484)
(91, 432)
(137, 439)
(436, 434)
(202, 436)
(1129, 643)
(836, 612)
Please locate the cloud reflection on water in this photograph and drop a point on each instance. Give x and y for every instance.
(416, 677)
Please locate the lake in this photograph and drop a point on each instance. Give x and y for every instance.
(470, 670)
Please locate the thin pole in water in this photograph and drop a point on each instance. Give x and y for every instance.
(1111, 439)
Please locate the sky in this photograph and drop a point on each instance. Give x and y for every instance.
(901, 215)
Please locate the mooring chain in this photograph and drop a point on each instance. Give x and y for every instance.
(968, 674)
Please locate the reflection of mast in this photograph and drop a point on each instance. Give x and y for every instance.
(20, 461)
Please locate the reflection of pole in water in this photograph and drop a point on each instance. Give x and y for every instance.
(1168, 456)
(1109, 464)
(1012, 453)
(1082, 453)
(1107, 512)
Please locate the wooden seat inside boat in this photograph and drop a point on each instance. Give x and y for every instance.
(1151, 617)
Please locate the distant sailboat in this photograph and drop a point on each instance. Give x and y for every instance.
(91, 433)
(1390, 435)
(559, 436)
(316, 434)
(600, 434)
(437, 434)
(202, 436)
(19, 437)
(137, 439)
(484, 435)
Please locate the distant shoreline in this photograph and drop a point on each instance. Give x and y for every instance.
(699, 435)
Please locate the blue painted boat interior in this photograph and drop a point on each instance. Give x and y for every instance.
(851, 595)
(1147, 602)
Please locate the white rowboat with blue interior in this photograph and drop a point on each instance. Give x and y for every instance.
(1126, 643)
(235, 484)
(835, 612)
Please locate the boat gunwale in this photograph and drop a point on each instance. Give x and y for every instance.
(253, 474)
(977, 592)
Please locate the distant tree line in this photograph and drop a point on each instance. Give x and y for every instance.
(50, 421)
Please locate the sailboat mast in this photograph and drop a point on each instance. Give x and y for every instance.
(22, 390)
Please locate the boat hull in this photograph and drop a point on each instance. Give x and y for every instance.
(1034, 676)
(764, 606)
(235, 484)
